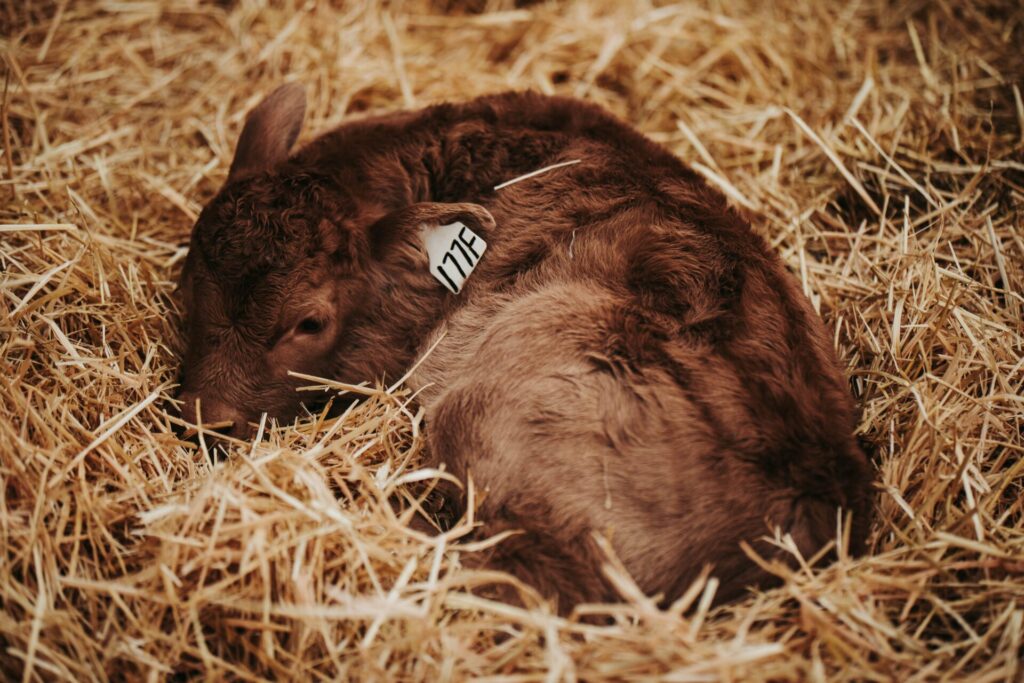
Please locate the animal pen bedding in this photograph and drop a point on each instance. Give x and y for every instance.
(877, 145)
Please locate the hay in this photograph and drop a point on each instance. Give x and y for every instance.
(881, 149)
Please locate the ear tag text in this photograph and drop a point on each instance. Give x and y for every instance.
(453, 250)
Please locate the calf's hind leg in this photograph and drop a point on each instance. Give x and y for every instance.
(560, 446)
(564, 569)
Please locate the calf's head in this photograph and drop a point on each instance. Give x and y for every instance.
(264, 282)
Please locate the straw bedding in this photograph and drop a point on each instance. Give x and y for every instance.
(877, 145)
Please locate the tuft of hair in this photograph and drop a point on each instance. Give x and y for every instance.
(270, 221)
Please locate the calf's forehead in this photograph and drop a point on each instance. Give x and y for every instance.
(254, 297)
(249, 244)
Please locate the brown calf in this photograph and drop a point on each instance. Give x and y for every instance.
(627, 357)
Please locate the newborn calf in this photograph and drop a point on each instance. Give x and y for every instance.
(626, 358)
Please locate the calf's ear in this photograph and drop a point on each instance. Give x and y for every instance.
(270, 131)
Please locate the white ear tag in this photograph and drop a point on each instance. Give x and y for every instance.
(454, 250)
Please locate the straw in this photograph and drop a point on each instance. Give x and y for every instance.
(878, 147)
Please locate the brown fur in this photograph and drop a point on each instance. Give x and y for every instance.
(628, 358)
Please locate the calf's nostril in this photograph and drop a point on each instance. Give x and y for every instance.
(186, 406)
(241, 429)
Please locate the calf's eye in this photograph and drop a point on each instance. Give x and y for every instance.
(310, 326)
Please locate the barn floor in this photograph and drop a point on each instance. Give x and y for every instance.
(880, 148)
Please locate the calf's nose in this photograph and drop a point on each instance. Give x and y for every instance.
(217, 415)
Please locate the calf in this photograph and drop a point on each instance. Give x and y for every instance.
(614, 350)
